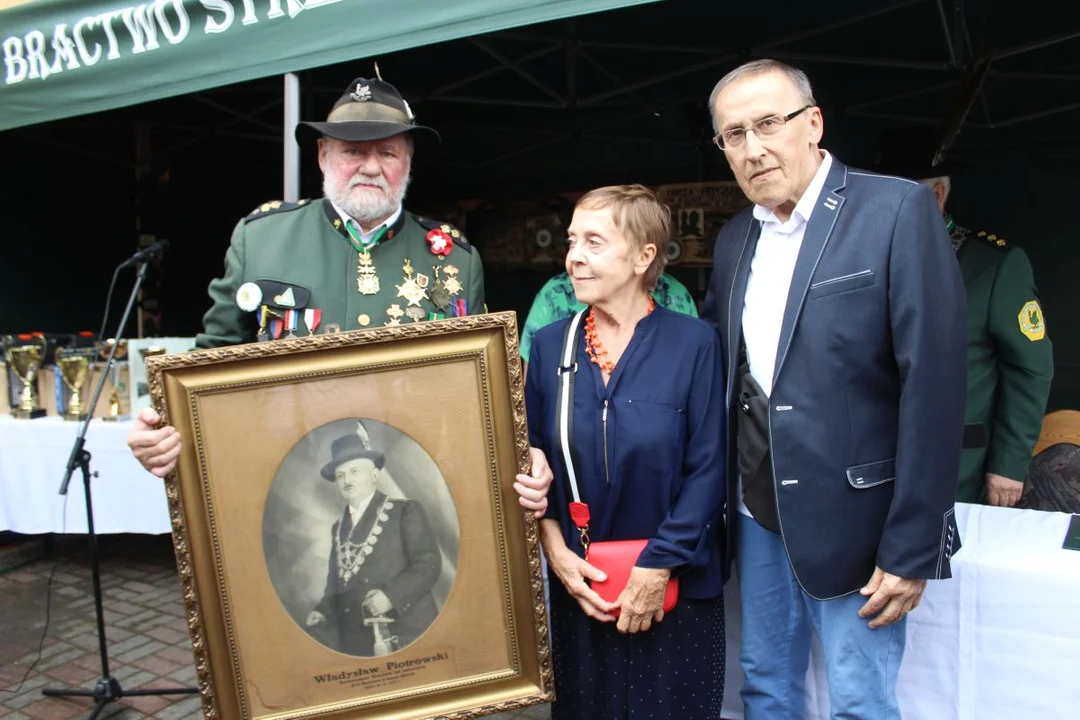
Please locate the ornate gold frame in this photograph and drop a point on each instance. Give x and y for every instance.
(182, 386)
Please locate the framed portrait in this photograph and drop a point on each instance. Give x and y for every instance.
(348, 538)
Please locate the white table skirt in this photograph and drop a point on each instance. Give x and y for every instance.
(33, 459)
(1001, 639)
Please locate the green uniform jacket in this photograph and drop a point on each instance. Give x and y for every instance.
(1010, 362)
(304, 247)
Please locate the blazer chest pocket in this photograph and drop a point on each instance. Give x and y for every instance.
(844, 283)
(872, 474)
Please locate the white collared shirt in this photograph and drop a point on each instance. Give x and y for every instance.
(367, 237)
(769, 282)
(358, 512)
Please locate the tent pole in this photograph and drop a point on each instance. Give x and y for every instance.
(292, 149)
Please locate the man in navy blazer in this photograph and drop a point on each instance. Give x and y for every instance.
(841, 309)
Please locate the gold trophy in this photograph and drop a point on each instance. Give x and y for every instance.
(25, 361)
(74, 369)
(114, 395)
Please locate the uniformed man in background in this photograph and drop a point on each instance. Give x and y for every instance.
(1010, 361)
(1009, 357)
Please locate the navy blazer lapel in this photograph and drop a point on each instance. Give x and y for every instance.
(736, 300)
(818, 231)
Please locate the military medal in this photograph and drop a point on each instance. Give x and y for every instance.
(248, 297)
(395, 312)
(367, 281)
(263, 316)
(276, 326)
(312, 317)
(440, 296)
(292, 320)
(331, 329)
(411, 289)
(440, 241)
(416, 313)
(453, 285)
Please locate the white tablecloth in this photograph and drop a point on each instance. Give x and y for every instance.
(33, 458)
(1001, 639)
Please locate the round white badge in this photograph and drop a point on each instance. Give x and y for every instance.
(248, 296)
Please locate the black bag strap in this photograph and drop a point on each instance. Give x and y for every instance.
(564, 407)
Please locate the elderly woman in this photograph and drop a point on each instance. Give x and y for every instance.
(646, 438)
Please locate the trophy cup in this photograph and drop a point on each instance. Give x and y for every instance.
(26, 360)
(74, 369)
(114, 395)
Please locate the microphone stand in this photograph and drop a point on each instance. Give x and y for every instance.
(107, 689)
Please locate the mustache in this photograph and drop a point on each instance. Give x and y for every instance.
(369, 181)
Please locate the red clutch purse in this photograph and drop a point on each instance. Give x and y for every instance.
(617, 558)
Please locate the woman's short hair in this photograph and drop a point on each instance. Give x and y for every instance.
(640, 216)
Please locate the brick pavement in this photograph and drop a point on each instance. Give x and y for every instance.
(145, 628)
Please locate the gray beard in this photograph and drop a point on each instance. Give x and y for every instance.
(368, 207)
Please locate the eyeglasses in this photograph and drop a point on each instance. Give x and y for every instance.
(736, 137)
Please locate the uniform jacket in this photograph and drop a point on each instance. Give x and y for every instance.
(404, 562)
(866, 414)
(304, 246)
(1010, 361)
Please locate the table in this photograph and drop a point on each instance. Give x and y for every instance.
(1001, 639)
(33, 459)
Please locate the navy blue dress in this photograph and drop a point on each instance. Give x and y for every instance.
(652, 467)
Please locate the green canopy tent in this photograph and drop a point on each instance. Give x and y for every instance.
(63, 58)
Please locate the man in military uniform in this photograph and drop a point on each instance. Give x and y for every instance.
(354, 259)
(1010, 362)
(556, 300)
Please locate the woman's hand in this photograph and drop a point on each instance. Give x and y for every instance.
(533, 488)
(642, 600)
(572, 571)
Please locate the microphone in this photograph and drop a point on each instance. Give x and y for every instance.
(145, 254)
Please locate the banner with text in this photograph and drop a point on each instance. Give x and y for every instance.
(73, 57)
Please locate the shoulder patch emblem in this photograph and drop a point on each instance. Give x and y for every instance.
(273, 207)
(1031, 321)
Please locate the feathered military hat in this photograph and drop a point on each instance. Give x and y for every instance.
(368, 109)
(352, 447)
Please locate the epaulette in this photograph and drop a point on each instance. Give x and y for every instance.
(993, 241)
(273, 207)
(453, 232)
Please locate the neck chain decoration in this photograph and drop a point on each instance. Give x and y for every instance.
(597, 354)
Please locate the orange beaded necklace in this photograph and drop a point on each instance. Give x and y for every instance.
(597, 354)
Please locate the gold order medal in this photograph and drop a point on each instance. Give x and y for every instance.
(248, 297)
